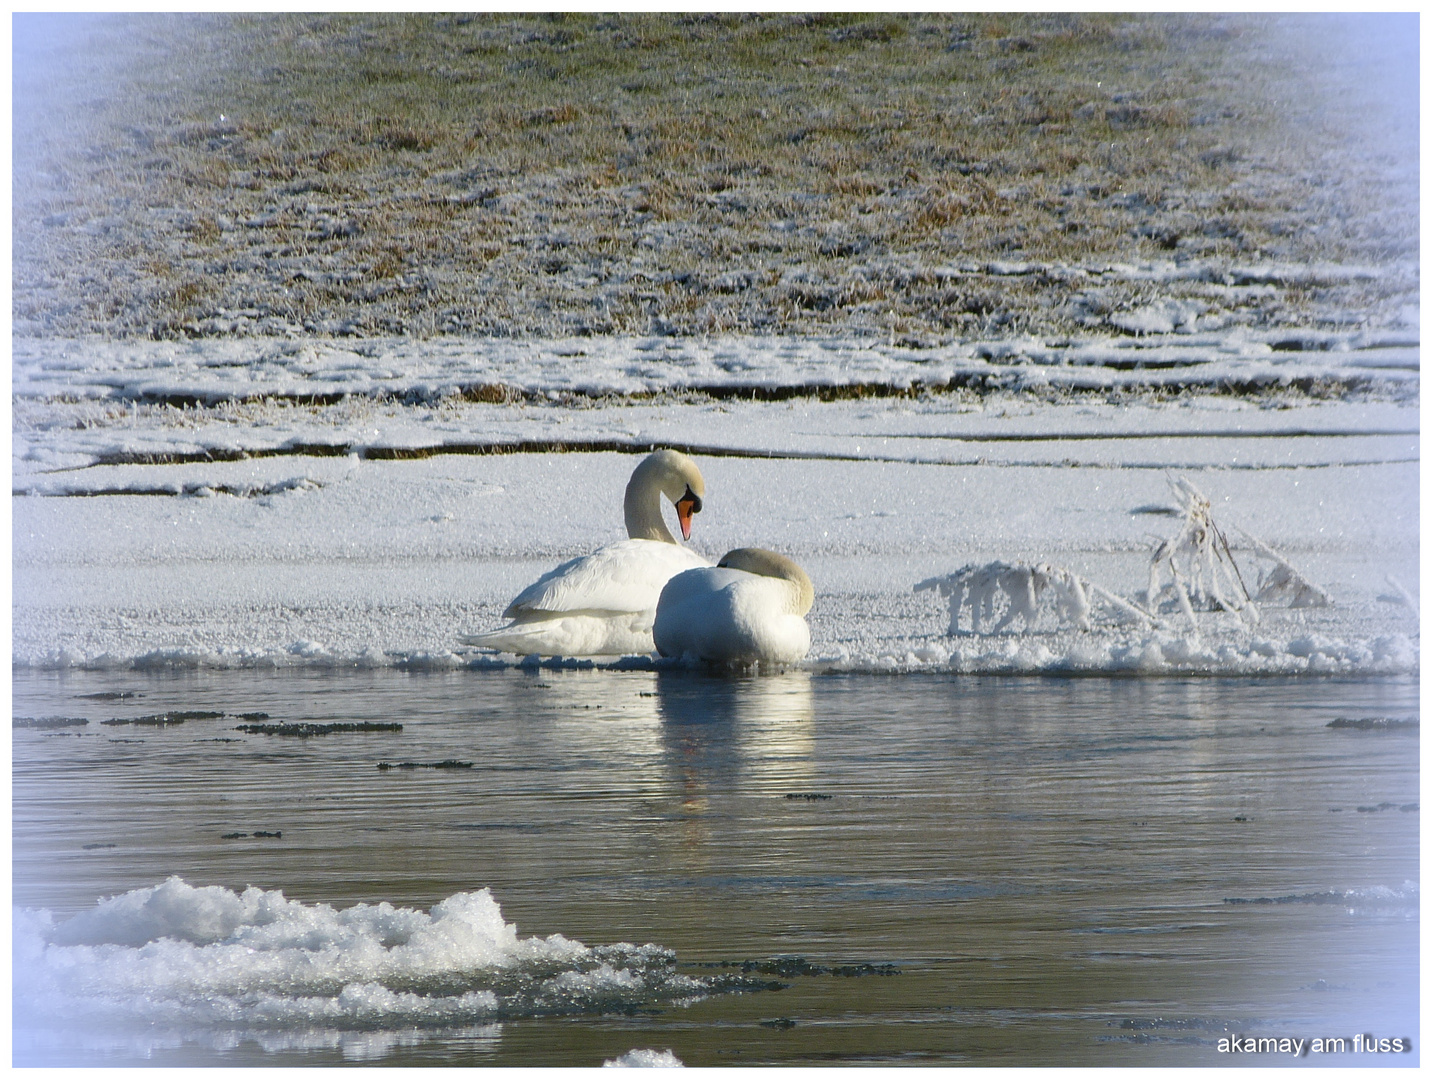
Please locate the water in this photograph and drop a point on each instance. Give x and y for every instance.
(920, 869)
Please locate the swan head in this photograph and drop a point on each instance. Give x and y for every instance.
(663, 472)
(771, 564)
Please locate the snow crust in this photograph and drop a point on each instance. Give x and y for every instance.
(1156, 352)
(375, 531)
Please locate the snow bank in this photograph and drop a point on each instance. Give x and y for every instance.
(1230, 652)
(1159, 653)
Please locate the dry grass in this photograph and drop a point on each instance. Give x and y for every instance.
(484, 174)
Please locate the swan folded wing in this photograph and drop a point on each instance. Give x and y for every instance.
(729, 615)
(695, 607)
(698, 585)
(578, 633)
(624, 577)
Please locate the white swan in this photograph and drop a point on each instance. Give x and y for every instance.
(748, 607)
(603, 604)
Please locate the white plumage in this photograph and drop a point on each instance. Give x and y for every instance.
(748, 608)
(604, 604)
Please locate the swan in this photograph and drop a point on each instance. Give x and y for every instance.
(750, 606)
(603, 604)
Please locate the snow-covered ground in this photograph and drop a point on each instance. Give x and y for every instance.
(1165, 345)
(277, 522)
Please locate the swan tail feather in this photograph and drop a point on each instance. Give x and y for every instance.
(571, 634)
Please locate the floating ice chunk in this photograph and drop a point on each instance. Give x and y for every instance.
(176, 955)
(645, 1059)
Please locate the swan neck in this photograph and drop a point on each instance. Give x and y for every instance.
(642, 507)
(803, 591)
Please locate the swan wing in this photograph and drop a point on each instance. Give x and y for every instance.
(572, 634)
(623, 577)
(729, 615)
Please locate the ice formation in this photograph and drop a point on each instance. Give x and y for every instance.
(176, 956)
(1198, 560)
(645, 1059)
(999, 593)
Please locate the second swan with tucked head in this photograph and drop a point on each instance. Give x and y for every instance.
(749, 607)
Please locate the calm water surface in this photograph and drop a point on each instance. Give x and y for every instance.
(911, 869)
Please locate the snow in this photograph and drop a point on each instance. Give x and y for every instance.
(178, 957)
(219, 368)
(645, 1059)
(376, 529)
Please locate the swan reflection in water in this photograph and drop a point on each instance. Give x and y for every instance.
(741, 734)
(733, 740)
(752, 734)
(691, 746)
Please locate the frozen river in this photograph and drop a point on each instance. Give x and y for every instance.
(833, 868)
(1121, 843)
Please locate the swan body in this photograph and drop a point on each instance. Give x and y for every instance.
(604, 604)
(749, 607)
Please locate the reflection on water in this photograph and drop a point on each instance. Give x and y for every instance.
(935, 869)
(723, 736)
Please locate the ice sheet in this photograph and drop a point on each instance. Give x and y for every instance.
(376, 531)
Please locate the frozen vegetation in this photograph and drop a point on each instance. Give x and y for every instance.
(922, 179)
(1001, 596)
(379, 531)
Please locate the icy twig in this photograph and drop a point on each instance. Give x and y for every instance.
(1127, 607)
(1209, 565)
(1285, 581)
(1407, 597)
(1183, 600)
(999, 593)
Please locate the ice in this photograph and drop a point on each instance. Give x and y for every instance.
(204, 957)
(1163, 349)
(645, 1059)
(374, 530)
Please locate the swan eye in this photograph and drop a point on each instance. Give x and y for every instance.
(692, 498)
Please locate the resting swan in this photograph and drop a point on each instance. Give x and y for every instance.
(748, 607)
(603, 604)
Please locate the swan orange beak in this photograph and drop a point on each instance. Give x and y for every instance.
(687, 505)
